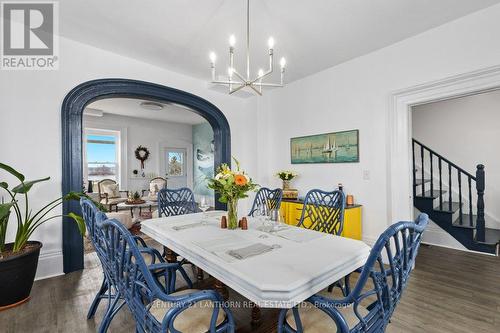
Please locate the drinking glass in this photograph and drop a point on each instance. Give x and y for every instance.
(204, 206)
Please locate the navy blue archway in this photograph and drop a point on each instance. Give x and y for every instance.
(72, 111)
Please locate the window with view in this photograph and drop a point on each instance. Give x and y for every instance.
(175, 163)
(102, 155)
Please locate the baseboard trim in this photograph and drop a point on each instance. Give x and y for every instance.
(50, 264)
(454, 248)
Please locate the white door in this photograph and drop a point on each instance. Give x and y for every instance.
(176, 167)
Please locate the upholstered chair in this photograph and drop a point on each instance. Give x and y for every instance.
(110, 194)
(153, 309)
(267, 198)
(165, 276)
(155, 185)
(369, 305)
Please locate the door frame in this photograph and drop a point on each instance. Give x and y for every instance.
(399, 171)
(72, 132)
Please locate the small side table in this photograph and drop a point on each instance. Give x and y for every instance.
(137, 207)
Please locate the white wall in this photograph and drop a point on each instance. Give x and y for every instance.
(30, 108)
(465, 130)
(152, 134)
(355, 95)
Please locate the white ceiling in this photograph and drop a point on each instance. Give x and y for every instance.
(131, 108)
(312, 35)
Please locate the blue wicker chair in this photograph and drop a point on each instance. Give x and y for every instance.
(153, 309)
(323, 211)
(265, 197)
(90, 215)
(369, 306)
(173, 202)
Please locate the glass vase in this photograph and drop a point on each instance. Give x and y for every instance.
(286, 185)
(232, 214)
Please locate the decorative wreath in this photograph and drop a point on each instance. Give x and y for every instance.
(142, 154)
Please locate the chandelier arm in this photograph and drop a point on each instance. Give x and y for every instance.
(212, 67)
(260, 77)
(265, 84)
(239, 76)
(227, 82)
(238, 88)
(255, 89)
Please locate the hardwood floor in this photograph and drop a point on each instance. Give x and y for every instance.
(449, 291)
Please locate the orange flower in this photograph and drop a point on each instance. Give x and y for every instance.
(240, 180)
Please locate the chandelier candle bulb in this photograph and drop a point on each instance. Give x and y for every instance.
(232, 40)
(213, 57)
(282, 63)
(270, 43)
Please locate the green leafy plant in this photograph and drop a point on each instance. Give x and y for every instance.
(136, 195)
(286, 175)
(231, 184)
(28, 220)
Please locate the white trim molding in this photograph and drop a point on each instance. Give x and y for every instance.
(399, 181)
(50, 264)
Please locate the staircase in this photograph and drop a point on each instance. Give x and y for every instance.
(453, 199)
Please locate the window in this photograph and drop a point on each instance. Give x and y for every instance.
(175, 162)
(102, 155)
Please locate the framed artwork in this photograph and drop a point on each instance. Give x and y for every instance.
(336, 147)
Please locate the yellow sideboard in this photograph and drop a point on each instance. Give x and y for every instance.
(292, 209)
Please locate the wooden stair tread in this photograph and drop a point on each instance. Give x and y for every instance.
(420, 182)
(446, 209)
(465, 222)
(428, 195)
(491, 236)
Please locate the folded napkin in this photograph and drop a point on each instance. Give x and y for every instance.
(187, 226)
(250, 251)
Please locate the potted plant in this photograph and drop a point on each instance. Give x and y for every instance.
(19, 259)
(232, 186)
(286, 176)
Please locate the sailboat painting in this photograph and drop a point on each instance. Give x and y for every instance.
(337, 147)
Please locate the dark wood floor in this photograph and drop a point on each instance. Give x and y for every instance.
(450, 291)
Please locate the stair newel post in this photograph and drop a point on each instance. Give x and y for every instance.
(414, 172)
(449, 187)
(422, 168)
(459, 173)
(480, 222)
(471, 222)
(440, 185)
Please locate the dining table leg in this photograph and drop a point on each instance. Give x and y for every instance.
(199, 273)
(169, 255)
(221, 288)
(256, 315)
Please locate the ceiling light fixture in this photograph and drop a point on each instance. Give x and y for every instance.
(235, 80)
(152, 106)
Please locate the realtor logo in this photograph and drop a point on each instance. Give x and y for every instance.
(29, 36)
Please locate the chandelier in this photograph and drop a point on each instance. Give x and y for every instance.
(236, 81)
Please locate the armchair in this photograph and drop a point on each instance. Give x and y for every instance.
(153, 309)
(163, 272)
(368, 306)
(110, 194)
(155, 185)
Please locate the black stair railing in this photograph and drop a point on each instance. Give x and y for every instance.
(444, 163)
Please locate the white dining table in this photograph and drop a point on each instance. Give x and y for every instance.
(298, 263)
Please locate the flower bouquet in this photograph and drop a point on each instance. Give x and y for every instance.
(286, 176)
(231, 185)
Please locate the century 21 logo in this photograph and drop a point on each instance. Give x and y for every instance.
(28, 29)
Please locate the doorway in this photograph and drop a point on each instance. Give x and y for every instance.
(72, 140)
